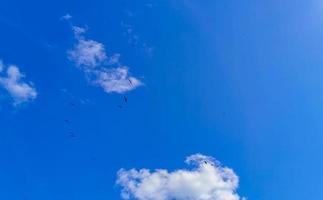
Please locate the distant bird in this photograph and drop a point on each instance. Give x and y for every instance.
(125, 99)
(120, 106)
(205, 162)
(130, 81)
(67, 121)
(72, 104)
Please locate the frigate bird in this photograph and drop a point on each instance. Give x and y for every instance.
(130, 81)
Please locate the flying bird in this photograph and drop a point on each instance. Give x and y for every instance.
(130, 81)
(125, 99)
(67, 121)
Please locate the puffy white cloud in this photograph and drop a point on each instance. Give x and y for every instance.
(88, 53)
(117, 80)
(13, 82)
(91, 57)
(207, 180)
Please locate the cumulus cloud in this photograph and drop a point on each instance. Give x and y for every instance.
(207, 180)
(88, 53)
(13, 82)
(103, 70)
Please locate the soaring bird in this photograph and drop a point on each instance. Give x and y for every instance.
(130, 81)
(125, 99)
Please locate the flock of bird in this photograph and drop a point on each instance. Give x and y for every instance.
(125, 99)
(68, 122)
(71, 133)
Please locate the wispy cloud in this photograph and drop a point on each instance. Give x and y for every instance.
(13, 82)
(114, 59)
(103, 70)
(66, 17)
(136, 41)
(207, 180)
(88, 53)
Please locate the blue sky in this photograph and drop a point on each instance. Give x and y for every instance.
(239, 81)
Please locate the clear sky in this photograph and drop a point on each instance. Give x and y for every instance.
(239, 81)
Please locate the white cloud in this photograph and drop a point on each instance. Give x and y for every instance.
(207, 180)
(13, 82)
(114, 59)
(66, 17)
(91, 57)
(117, 80)
(88, 53)
(78, 31)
